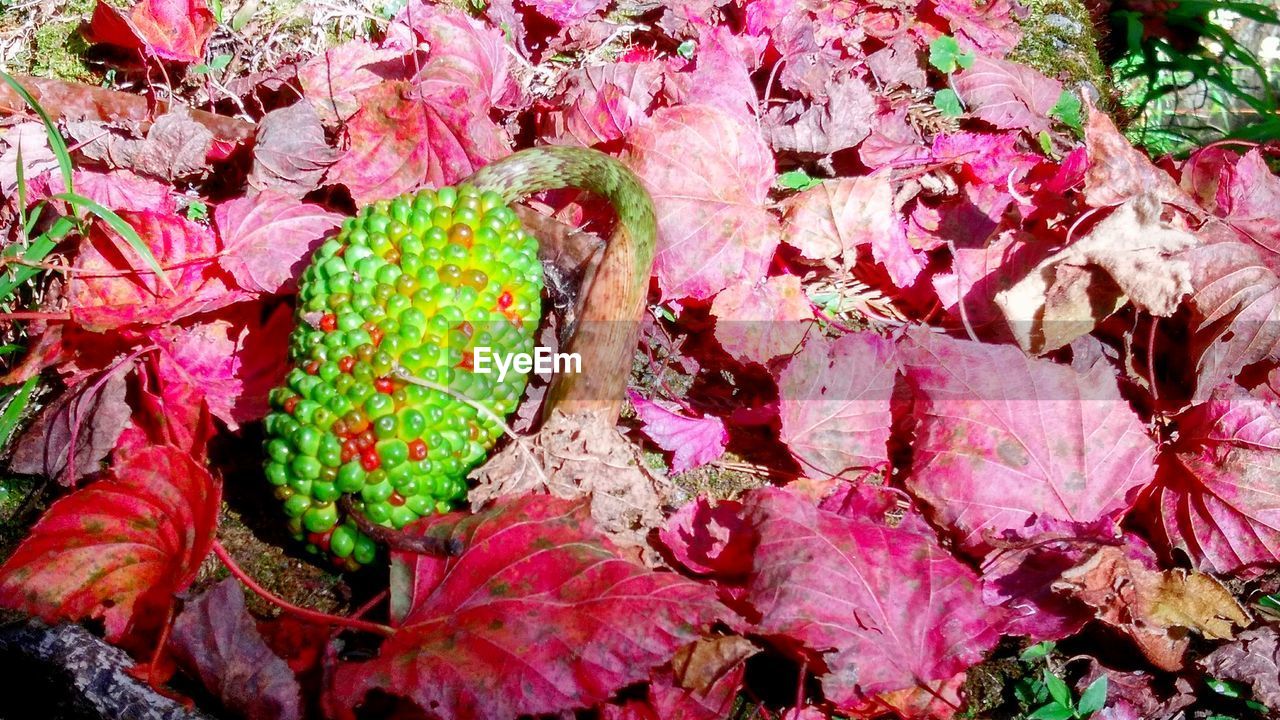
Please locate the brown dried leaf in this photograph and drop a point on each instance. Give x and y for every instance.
(1253, 658)
(1127, 256)
(572, 457)
(175, 146)
(291, 153)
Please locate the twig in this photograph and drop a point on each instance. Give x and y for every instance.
(301, 613)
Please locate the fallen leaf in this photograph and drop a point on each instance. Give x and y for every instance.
(175, 146)
(111, 287)
(1214, 496)
(1129, 256)
(122, 190)
(268, 239)
(290, 153)
(709, 174)
(1246, 202)
(600, 103)
(467, 58)
(401, 138)
(169, 29)
(215, 637)
(842, 120)
(830, 221)
(538, 614)
(573, 459)
(756, 323)
(709, 539)
(30, 141)
(71, 436)
(332, 81)
(1118, 171)
(1252, 658)
(694, 441)
(1009, 95)
(834, 404)
(119, 548)
(1003, 441)
(875, 609)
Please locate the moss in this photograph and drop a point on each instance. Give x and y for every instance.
(58, 51)
(1059, 40)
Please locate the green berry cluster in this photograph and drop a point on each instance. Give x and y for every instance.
(403, 294)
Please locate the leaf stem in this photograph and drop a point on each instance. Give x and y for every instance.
(299, 612)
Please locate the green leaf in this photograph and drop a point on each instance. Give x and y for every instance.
(686, 48)
(1053, 711)
(1058, 689)
(17, 404)
(56, 143)
(38, 249)
(945, 54)
(1037, 651)
(1046, 143)
(1093, 697)
(797, 180)
(1226, 688)
(1068, 110)
(1270, 602)
(215, 7)
(947, 101)
(196, 211)
(125, 230)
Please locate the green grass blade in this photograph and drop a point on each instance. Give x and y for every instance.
(35, 252)
(18, 401)
(58, 145)
(125, 230)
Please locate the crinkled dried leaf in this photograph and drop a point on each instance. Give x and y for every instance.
(1130, 255)
(1006, 94)
(73, 435)
(1254, 659)
(290, 153)
(756, 323)
(175, 147)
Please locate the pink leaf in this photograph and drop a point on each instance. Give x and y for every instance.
(169, 29)
(215, 637)
(567, 12)
(112, 287)
(466, 56)
(1215, 496)
(121, 190)
(709, 539)
(990, 27)
(538, 614)
(835, 403)
(1004, 441)
(119, 548)
(883, 608)
(334, 80)
(1247, 202)
(401, 138)
(695, 441)
(1009, 95)
(73, 435)
(710, 175)
(601, 103)
(232, 362)
(831, 220)
(267, 239)
(757, 323)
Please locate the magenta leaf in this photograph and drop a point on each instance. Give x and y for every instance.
(756, 323)
(267, 239)
(538, 614)
(710, 174)
(601, 103)
(1004, 441)
(834, 403)
(169, 29)
(1215, 498)
(881, 609)
(694, 441)
(1009, 95)
(215, 637)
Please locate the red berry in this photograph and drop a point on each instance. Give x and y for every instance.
(376, 335)
(320, 540)
(312, 367)
(328, 322)
(417, 450)
(384, 385)
(291, 404)
(349, 449)
(396, 499)
(505, 300)
(369, 460)
(346, 363)
(366, 440)
(465, 328)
